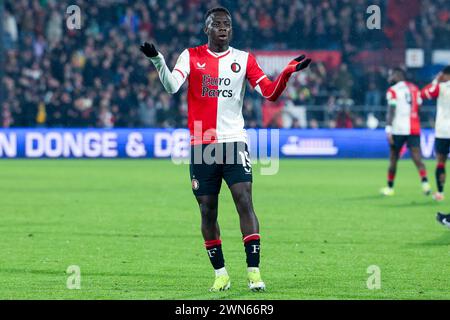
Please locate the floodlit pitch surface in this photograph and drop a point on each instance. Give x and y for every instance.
(132, 227)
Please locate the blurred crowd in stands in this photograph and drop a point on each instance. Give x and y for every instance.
(431, 28)
(96, 76)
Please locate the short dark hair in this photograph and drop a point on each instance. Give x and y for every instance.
(217, 9)
(400, 70)
(446, 70)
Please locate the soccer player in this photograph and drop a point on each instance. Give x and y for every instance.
(440, 89)
(403, 126)
(216, 74)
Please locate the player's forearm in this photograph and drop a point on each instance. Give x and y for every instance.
(169, 81)
(272, 90)
(389, 116)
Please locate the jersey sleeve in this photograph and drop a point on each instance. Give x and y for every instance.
(431, 91)
(391, 97)
(172, 81)
(254, 72)
(270, 90)
(182, 67)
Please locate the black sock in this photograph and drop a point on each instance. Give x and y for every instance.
(252, 250)
(215, 254)
(440, 170)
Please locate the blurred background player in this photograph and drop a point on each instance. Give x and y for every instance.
(440, 89)
(217, 73)
(403, 126)
(443, 219)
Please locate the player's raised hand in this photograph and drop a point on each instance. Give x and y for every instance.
(149, 49)
(299, 63)
(302, 62)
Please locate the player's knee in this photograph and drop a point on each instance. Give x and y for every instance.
(209, 213)
(244, 203)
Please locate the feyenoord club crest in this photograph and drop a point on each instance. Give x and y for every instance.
(195, 184)
(235, 67)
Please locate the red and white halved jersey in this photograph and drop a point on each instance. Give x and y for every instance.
(405, 98)
(441, 92)
(216, 90)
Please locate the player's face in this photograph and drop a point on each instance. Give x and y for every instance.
(392, 77)
(446, 77)
(218, 28)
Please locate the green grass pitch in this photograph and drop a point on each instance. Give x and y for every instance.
(132, 227)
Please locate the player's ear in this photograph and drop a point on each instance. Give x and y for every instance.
(206, 30)
(206, 27)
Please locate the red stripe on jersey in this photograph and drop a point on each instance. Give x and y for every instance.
(414, 115)
(254, 73)
(202, 110)
(392, 92)
(270, 90)
(179, 72)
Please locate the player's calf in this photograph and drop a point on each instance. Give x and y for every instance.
(389, 189)
(440, 181)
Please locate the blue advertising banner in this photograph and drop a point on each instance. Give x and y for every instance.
(166, 143)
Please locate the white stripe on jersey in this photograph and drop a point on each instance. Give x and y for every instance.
(230, 122)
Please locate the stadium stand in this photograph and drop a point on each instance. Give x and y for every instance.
(96, 76)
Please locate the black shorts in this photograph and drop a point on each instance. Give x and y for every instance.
(442, 146)
(411, 141)
(212, 162)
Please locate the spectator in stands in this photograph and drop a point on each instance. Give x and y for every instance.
(11, 30)
(373, 95)
(344, 80)
(97, 78)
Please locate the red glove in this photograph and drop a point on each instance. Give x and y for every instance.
(272, 90)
